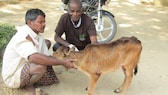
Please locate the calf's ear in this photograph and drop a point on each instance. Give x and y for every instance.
(68, 50)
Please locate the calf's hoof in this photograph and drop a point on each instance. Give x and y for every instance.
(117, 90)
(86, 88)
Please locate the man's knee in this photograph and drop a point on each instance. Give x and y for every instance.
(55, 46)
(38, 69)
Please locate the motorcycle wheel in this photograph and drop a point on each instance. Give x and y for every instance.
(107, 28)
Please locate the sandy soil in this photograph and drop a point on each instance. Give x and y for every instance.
(148, 23)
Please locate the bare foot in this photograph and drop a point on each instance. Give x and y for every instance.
(40, 92)
(30, 90)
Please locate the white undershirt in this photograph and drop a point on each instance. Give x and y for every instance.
(78, 25)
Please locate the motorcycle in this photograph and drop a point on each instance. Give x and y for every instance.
(105, 23)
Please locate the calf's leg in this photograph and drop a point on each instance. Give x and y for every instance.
(128, 72)
(92, 83)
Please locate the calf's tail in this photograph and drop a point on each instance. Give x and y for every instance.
(136, 70)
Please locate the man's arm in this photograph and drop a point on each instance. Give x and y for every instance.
(49, 60)
(93, 40)
(61, 40)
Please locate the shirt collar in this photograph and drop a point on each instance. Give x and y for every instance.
(32, 33)
(78, 25)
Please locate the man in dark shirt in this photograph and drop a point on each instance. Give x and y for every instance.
(79, 28)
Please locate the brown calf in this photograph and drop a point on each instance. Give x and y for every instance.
(96, 60)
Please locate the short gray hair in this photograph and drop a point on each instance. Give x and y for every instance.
(32, 14)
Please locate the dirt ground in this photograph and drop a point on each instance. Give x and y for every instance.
(146, 22)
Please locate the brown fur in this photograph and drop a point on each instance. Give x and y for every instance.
(96, 60)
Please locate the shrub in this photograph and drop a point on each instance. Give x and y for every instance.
(0, 64)
(6, 33)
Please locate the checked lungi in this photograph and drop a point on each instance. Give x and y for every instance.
(48, 78)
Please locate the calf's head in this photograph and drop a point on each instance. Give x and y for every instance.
(62, 52)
